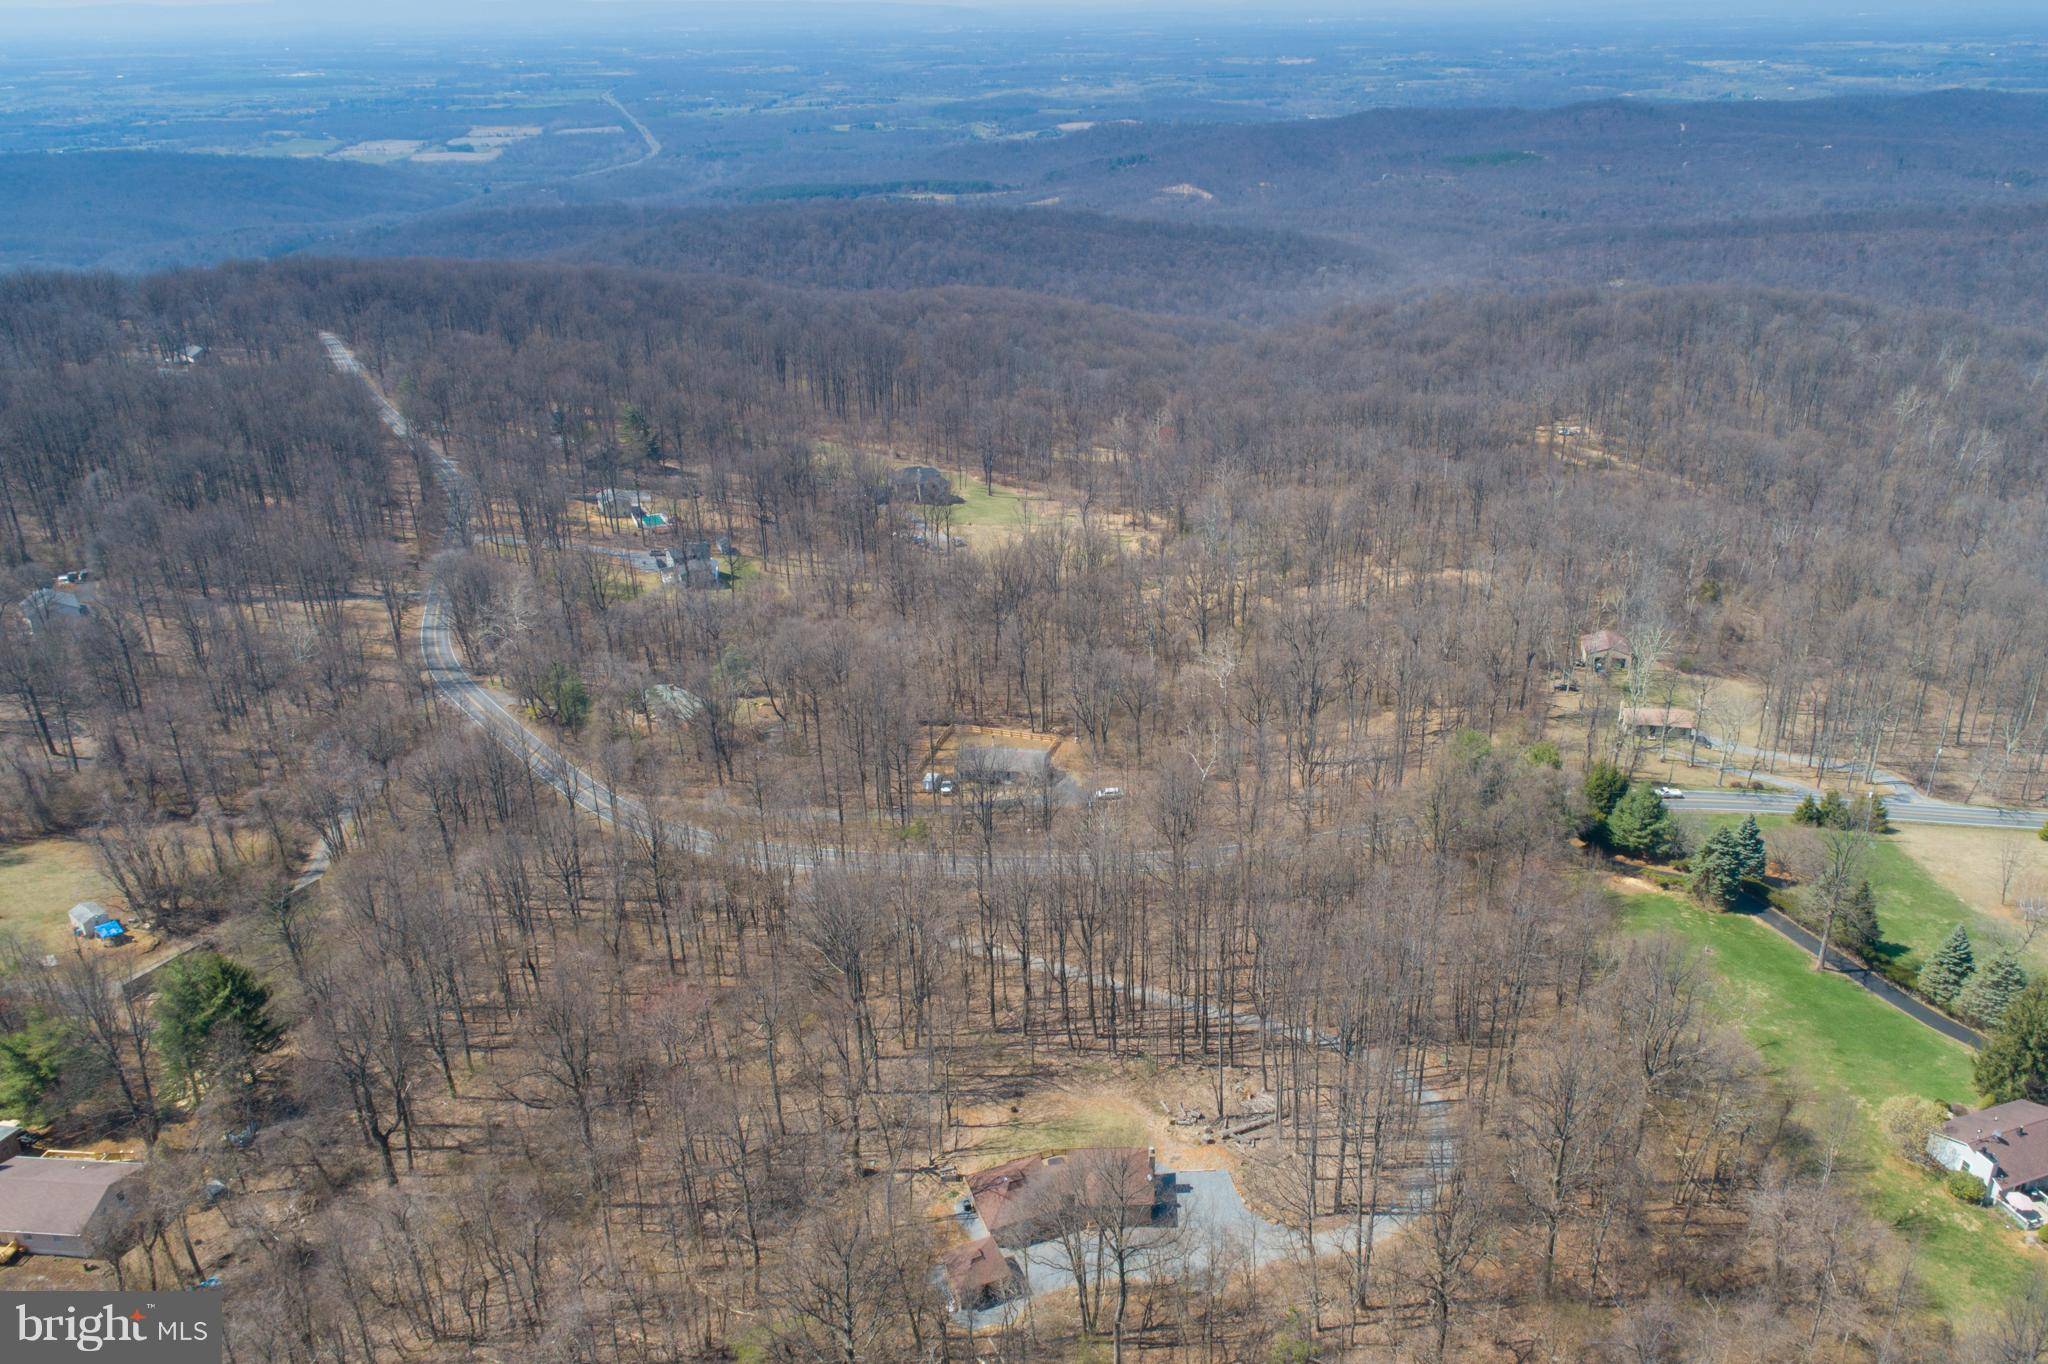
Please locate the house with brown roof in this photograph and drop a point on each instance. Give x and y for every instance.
(1022, 1200)
(1670, 722)
(2006, 1146)
(50, 1205)
(1602, 647)
(978, 1275)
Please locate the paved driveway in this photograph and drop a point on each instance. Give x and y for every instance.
(1209, 1223)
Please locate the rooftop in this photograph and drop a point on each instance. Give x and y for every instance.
(1658, 717)
(53, 1196)
(974, 1267)
(1018, 1191)
(1604, 642)
(2013, 1135)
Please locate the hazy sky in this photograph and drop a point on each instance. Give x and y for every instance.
(428, 12)
(122, 19)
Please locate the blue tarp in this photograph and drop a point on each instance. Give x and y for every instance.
(110, 929)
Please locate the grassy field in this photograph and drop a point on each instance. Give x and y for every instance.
(39, 882)
(1914, 908)
(1965, 862)
(980, 507)
(1825, 1038)
(1052, 1121)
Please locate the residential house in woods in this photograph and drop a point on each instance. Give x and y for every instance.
(47, 604)
(922, 484)
(704, 563)
(1604, 648)
(1669, 722)
(50, 1205)
(1023, 1200)
(989, 764)
(2006, 1146)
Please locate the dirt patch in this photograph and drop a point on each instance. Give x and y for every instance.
(1137, 1111)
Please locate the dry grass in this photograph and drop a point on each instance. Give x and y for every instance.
(1966, 863)
(1097, 1109)
(40, 882)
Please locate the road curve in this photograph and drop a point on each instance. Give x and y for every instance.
(1904, 808)
(1907, 803)
(652, 143)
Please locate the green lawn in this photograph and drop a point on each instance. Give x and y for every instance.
(1918, 911)
(980, 507)
(1914, 910)
(1824, 1036)
(1059, 1129)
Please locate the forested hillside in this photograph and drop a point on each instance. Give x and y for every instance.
(1118, 740)
(150, 210)
(1155, 267)
(1301, 590)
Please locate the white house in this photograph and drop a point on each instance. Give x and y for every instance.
(2006, 1146)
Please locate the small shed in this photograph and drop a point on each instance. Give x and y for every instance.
(87, 916)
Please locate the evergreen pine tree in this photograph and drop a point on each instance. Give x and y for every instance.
(208, 1003)
(2014, 1062)
(1949, 969)
(1869, 813)
(1639, 823)
(32, 1062)
(1991, 991)
(1716, 868)
(1750, 856)
(1604, 785)
(1856, 928)
(1807, 811)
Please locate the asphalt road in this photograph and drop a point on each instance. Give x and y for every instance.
(1906, 802)
(1906, 808)
(647, 139)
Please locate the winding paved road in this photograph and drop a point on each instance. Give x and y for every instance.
(1914, 1008)
(1906, 802)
